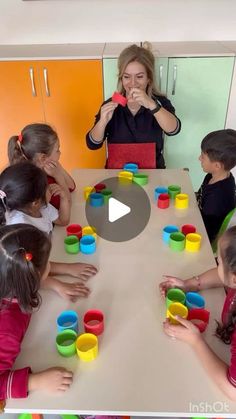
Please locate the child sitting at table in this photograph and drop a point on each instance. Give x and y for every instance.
(216, 196)
(39, 144)
(23, 199)
(223, 375)
(24, 252)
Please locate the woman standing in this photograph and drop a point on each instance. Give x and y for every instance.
(147, 115)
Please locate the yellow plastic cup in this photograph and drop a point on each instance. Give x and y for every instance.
(176, 309)
(89, 231)
(87, 191)
(87, 347)
(125, 175)
(181, 201)
(193, 242)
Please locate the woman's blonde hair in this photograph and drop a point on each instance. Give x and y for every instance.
(142, 55)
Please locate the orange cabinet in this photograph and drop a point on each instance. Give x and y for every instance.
(65, 94)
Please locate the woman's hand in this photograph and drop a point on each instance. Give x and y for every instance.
(140, 96)
(170, 282)
(52, 380)
(107, 111)
(186, 331)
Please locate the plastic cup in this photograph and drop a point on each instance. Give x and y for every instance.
(119, 98)
(88, 245)
(89, 231)
(107, 193)
(194, 300)
(177, 241)
(193, 242)
(71, 244)
(94, 322)
(87, 191)
(131, 167)
(74, 230)
(158, 191)
(99, 187)
(140, 178)
(87, 347)
(174, 190)
(181, 201)
(125, 175)
(68, 319)
(66, 342)
(177, 309)
(175, 295)
(96, 199)
(188, 228)
(167, 231)
(163, 201)
(199, 317)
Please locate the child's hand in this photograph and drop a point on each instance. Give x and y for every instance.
(170, 282)
(82, 271)
(186, 331)
(53, 379)
(71, 291)
(55, 189)
(52, 169)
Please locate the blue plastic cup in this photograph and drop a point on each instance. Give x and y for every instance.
(167, 231)
(68, 319)
(194, 300)
(96, 199)
(158, 191)
(131, 167)
(87, 245)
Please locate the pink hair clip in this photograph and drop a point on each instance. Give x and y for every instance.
(2, 194)
(20, 137)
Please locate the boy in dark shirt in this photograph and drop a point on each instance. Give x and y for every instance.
(216, 196)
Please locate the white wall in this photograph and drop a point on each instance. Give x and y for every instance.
(82, 21)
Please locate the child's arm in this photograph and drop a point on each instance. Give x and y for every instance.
(208, 279)
(68, 179)
(82, 271)
(52, 379)
(215, 367)
(68, 291)
(65, 205)
(55, 170)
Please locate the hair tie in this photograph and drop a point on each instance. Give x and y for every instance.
(20, 138)
(2, 194)
(28, 257)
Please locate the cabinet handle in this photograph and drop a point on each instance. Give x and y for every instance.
(45, 75)
(31, 72)
(160, 75)
(174, 79)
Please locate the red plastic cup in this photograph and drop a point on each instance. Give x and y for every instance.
(74, 230)
(94, 322)
(163, 201)
(188, 228)
(120, 99)
(199, 317)
(99, 187)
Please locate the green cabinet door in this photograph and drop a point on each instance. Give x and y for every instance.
(161, 72)
(199, 90)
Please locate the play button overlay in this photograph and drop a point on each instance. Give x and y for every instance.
(126, 213)
(116, 210)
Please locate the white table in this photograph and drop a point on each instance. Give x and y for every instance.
(139, 370)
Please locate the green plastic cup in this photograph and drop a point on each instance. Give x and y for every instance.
(175, 295)
(140, 178)
(66, 342)
(71, 244)
(174, 190)
(177, 241)
(107, 193)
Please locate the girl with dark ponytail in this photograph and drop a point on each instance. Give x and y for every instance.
(24, 252)
(222, 374)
